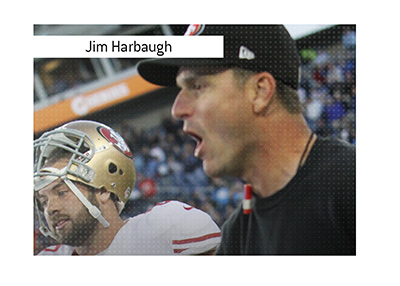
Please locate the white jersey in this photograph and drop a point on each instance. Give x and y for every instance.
(171, 227)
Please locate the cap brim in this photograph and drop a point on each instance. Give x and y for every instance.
(164, 71)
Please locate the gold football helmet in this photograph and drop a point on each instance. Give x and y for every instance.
(97, 156)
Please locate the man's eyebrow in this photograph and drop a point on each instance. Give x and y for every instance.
(38, 196)
(194, 74)
(59, 185)
(187, 80)
(53, 189)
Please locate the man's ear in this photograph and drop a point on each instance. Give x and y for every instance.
(265, 85)
(103, 195)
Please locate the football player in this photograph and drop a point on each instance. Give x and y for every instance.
(84, 174)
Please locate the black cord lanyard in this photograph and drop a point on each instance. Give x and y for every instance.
(305, 151)
(248, 195)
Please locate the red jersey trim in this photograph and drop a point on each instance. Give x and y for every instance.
(53, 250)
(197, 239)
(179, 250)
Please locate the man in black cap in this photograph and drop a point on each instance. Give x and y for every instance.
(244, 113)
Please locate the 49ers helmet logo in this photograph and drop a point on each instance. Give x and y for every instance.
(116, 139)
(194, 30)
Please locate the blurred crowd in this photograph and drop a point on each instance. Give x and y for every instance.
(166, 168)
(328, 89)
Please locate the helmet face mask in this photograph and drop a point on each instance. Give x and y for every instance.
(72, 146)
(94, 154)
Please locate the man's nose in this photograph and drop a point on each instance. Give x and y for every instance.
(53, 206)
(182, 107)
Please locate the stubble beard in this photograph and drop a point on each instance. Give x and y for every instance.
(82, 227)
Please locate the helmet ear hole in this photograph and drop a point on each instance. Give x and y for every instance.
(121, 172)
(112, 168)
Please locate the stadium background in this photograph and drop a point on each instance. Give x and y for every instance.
(110, 91)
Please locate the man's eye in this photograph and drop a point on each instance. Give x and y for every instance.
(42, 204)
(62, 193)
(196, 87)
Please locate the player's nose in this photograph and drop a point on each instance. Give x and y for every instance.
(182, 107)
(53, 206)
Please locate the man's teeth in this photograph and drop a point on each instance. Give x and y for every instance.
(60, 222)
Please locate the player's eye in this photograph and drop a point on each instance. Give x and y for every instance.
(62, 193)
(42, 204)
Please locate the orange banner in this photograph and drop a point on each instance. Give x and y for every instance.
(83, 104)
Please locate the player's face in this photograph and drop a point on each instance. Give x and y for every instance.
(216, 113)
(66, 216)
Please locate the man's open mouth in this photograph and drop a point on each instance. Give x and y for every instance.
(199, 141)
(60, 224)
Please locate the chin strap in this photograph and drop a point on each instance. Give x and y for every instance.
(93, 210)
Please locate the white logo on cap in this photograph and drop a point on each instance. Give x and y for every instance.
(245, 53)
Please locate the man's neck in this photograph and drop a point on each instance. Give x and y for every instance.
(276, 160)
(101, 239)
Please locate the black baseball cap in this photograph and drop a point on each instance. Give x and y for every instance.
(254, 47)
